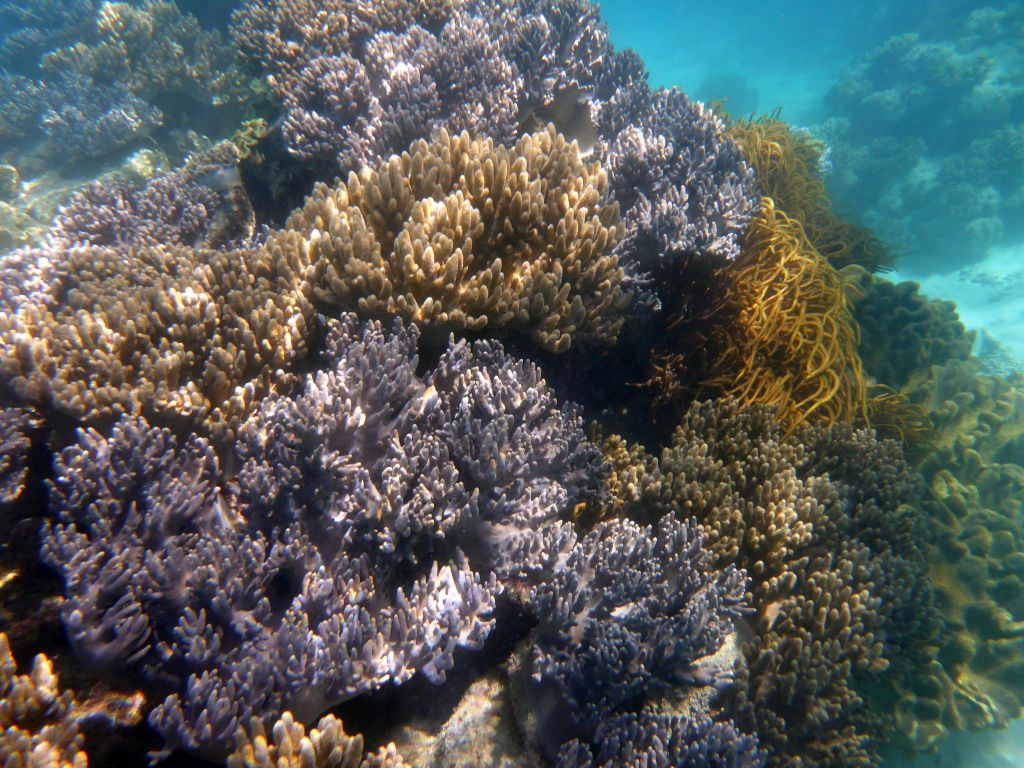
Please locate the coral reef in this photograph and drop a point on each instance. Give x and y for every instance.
(464, 234)
(17, 426)
(153, 50)
(976, 479)
(902, 333)
(312, 578)
(820, 521)
(920, 350)
(787, 165)
(202, 204)
(641, 740)
(487, 68)
(172, 332)
(37, 723)
(775, 328)
(684, 187)
(926, 139)
(100, 79)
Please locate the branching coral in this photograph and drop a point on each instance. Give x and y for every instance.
(152, 50)
(630, 613)
(17, 425)
(787, 165)
(920, 349)
(465, 234)
(37, 727)
(202, 204)
(683, 185)
(820, 522)
(635, 741)
(172, 332)
(88, 119)
(326, 746)
(313, 579)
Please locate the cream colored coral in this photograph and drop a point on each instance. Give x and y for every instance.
(326, 746)
(462, 234)
(36, 725)
(166, 331)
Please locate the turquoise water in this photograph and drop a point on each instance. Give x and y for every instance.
(789, 57)
(367, 360)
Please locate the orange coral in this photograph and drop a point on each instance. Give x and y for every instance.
(786, 164)
(791, 340)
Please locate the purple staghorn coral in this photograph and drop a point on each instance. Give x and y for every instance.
(318, 573)
(640, 741)
(629, 614)
(683, 187)
(202, 204)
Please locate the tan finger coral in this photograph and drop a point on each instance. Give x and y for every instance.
(326, 746)
(463, 235)
(37, 729)
(170, 332)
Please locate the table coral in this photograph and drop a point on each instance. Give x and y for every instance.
(465, 234)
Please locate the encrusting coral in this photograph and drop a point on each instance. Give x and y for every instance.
(464, 234)
(920, 351)
(820, 521)
(37, 727)
(976, 479)
(787, 166)
(326, 746)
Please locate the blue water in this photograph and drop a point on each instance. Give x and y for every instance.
(920, 105)
(960, 230)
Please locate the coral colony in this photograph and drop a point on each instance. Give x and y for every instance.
(289, 427)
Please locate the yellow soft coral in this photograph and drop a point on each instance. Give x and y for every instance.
(791, 341)
(786, 164)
